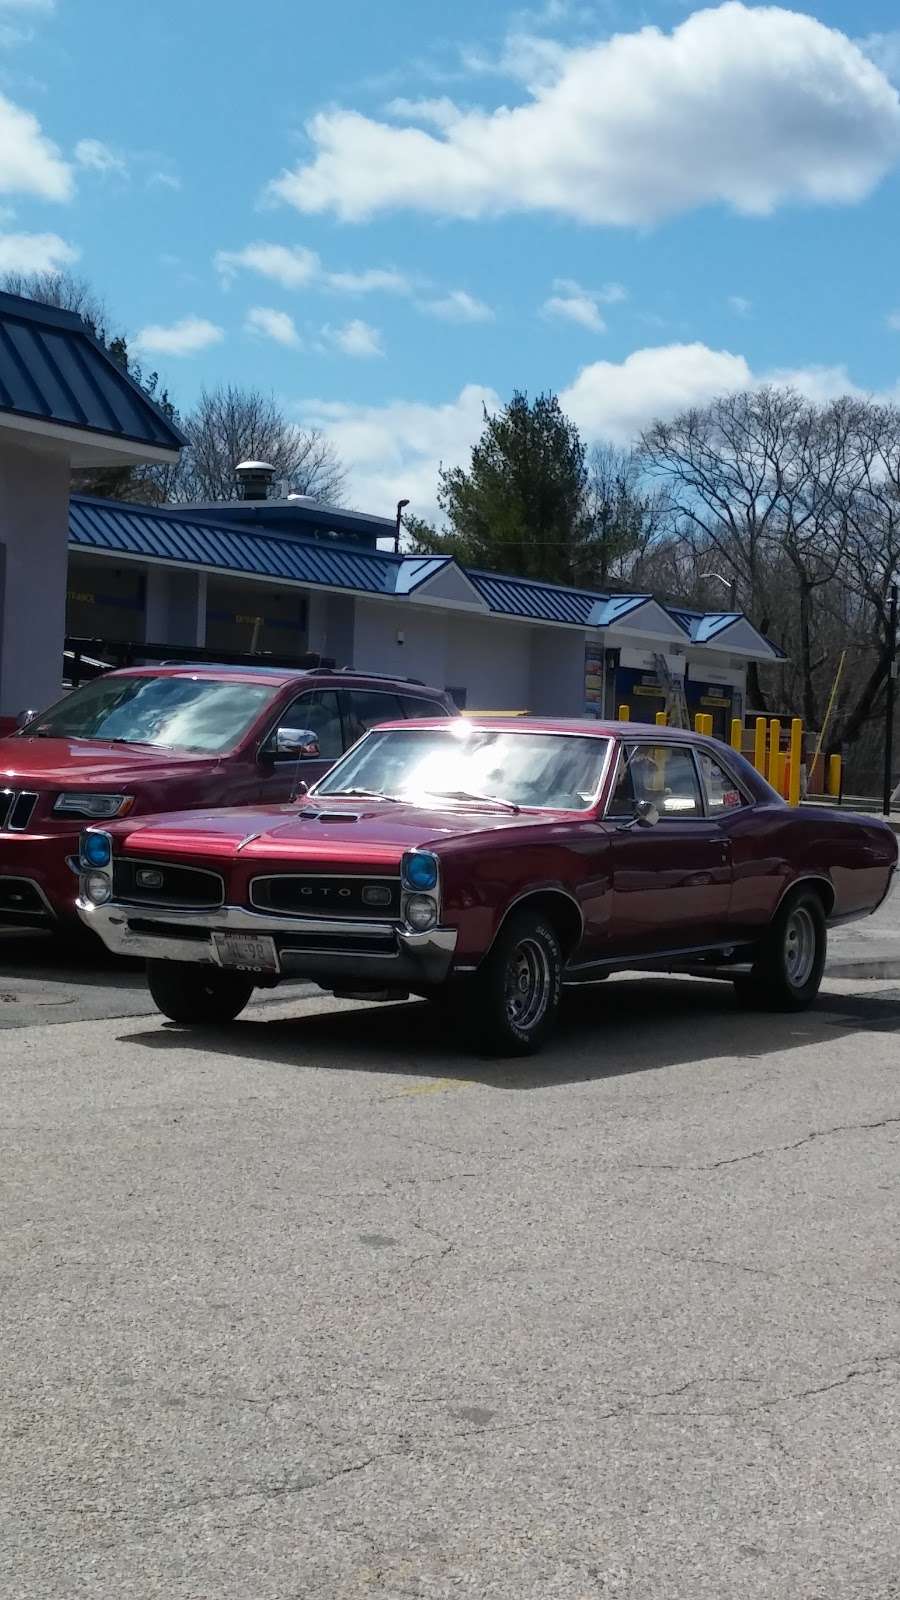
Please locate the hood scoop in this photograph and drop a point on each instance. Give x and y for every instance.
(330, 816)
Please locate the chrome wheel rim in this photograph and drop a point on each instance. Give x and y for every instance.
(800, 947)
(528, 984)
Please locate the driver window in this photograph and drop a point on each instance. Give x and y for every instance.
(320, 712)
(663, 774)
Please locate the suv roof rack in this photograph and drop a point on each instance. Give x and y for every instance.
(361, 672)
(234, 666)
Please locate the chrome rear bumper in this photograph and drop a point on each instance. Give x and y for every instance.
(332, 951)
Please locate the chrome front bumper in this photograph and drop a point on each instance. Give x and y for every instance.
(328, 950)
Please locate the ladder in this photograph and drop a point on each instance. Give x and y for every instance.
(676, 705)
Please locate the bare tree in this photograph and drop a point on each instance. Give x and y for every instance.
(230, 425)
(628, 518)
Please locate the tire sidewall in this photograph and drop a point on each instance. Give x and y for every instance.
(775, 960)
(496, 1028)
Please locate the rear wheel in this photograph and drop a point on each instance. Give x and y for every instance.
(514, 997)
(194, 995)
(788, 971)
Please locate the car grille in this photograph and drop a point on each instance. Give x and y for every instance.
(158, 883)
(317, 895)
(16, 809)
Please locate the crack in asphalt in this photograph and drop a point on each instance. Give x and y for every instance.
(766, 1150)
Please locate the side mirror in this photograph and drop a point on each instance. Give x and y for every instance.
(24, 717)
(293, 744)
(646, 815)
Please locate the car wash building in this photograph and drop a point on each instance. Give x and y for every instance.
(273, 574)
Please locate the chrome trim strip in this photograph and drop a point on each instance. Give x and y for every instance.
(23, 794)
(184, 905)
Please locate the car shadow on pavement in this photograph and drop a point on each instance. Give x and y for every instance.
(32, 953)
(609, 1030)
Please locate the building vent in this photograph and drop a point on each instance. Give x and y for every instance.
(254, 479)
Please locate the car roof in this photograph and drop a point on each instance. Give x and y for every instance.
(215, 671)
(585, 726)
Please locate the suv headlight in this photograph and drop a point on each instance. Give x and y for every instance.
(99, 807)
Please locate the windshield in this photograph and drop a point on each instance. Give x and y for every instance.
(193, 714)
(543, 770)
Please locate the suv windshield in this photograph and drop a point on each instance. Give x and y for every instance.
(544, 770)
(196, 714)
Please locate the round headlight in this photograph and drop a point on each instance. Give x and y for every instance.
(96, 849)
(421, 913)
(97, 888)
(420, 870)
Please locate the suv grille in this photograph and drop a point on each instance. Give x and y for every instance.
(158, 883)
(328, 896)
(16, 808)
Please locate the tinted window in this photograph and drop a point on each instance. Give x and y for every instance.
(528, 769)
(413, 707)
(722, 793)
(663, 774)
(365, 708)
(321, 713)
(197, 714)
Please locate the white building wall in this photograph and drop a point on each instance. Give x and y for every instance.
(405, 641)
(557, 672)
(491, 660)
(34, 516)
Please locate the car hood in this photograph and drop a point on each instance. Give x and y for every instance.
(71, 763)
(344, 831)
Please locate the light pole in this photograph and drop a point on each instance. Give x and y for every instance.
(890, 702)
(730, 584)
(401, 507)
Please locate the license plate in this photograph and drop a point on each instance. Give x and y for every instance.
(246, 952)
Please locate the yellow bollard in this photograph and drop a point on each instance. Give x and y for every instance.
(833, 776)
(759, 746)
(774, 752)
(662, 719)
(737, 734)
(796, 758)
(624, 713)
(709, 725)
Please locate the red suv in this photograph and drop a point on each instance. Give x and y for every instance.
(172, 738)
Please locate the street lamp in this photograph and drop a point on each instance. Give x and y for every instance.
(401, 507)
(730, 585)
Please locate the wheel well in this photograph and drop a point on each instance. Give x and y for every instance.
(819, 886)
(559, 909)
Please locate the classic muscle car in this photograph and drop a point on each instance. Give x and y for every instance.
(490, 863)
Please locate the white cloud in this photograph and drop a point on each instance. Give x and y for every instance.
(457, 306)
(614, 400)
(355, 338)
(751, 107)
(573, 303)
(275, 325)
(441, 113)
(884, 50)
(740, 306)
(35, 252)
(95, 156)
(893, 321)
(164, 180)
(296, 267)
(394, 451)
(292, 266)
(30, 163)
(185, 338)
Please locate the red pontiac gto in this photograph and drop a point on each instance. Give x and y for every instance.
(490, 862)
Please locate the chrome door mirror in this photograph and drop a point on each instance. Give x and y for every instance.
(296, 744)
(646, 815)
(24, 717)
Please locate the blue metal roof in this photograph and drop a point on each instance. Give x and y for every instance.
(523, 597)
(702, 626)
(109, 525)
(53, 370)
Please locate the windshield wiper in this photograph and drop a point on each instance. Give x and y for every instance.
(361, 794)
(482, 799)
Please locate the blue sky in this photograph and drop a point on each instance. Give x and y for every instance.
(329, 202)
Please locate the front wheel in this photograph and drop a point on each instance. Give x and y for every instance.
(514, 997)
(788, 971)
(196, 995)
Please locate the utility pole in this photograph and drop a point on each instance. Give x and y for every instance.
(890, 703)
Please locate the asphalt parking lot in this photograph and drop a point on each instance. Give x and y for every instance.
(318, 1306)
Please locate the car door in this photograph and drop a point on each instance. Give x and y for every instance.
(319, 712)
(672, 880)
